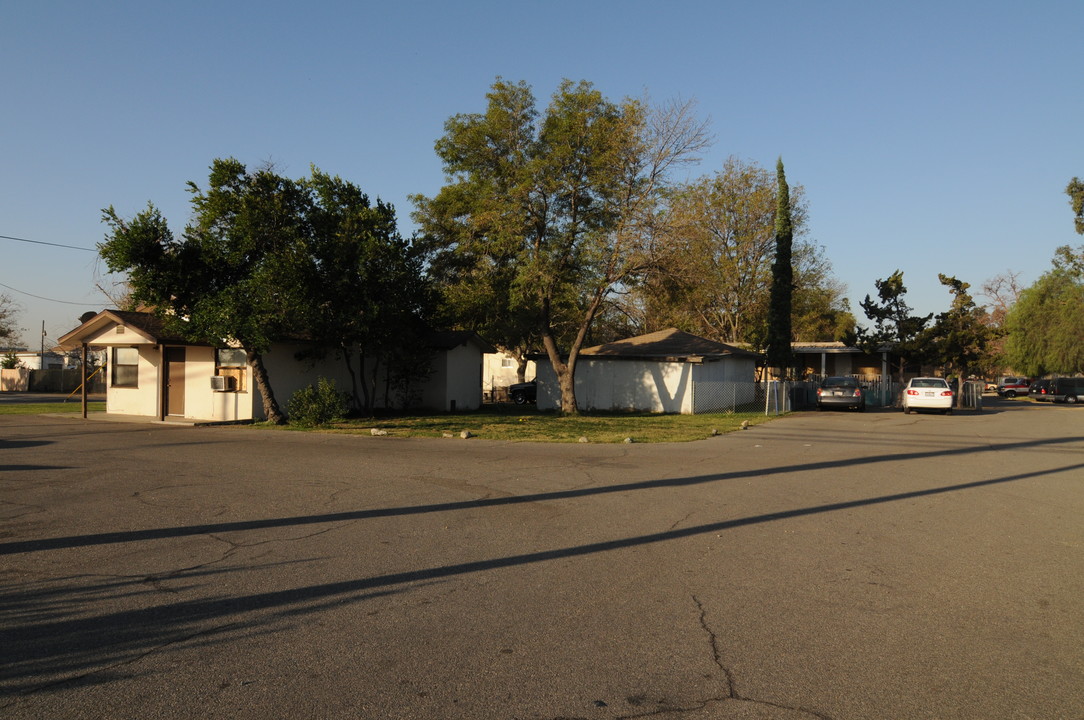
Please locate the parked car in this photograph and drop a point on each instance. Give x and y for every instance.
(523, 393)
(840, 392)
(1040, 391)
(1068, 390)
(926, 393)
(1010, 387)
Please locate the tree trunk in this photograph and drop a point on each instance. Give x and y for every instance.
(566, 372)
(271, 408)
(565, 378)
(348, 356)
(367, 391)
(521, 367)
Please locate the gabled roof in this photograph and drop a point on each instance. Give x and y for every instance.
(670, 344)
(449, 339)
(147, 326)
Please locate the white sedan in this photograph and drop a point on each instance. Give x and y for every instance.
(927, 394)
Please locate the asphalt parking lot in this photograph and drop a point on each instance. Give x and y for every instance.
(824, 565)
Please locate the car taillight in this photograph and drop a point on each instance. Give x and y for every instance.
(947, 393)
(858, 392)
(912, 392)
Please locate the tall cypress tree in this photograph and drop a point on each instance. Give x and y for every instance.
(779, 310)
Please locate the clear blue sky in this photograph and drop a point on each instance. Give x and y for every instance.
(929, 136)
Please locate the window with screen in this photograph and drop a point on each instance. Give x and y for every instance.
(125, 367)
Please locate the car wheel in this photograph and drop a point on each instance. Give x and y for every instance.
(1010, 394)
(519, 397)
(1071, 399)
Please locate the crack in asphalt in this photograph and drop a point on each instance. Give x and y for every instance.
(731, 685)
(716, 654)
(682, 520)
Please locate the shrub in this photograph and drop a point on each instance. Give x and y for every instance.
(317, 404)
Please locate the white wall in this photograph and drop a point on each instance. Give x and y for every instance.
(287, 375)
(643, 385)
(464, 378)
(647, 385)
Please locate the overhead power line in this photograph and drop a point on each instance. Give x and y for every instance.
(40, 242)
(39, 297)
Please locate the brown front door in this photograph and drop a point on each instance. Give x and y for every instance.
(175, 381)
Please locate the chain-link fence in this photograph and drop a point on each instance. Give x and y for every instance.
(770, 398)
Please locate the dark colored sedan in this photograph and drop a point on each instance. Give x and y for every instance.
(841, 392)
(523, 393)
(1041, 391)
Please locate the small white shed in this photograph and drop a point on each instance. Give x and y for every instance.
(668, 371)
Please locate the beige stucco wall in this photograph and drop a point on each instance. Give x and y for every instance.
(287, 375)
(14, 379)
(144, 398)
(199, 366)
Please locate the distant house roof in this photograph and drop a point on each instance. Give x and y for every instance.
(823, 347)
(831, 348)
(670, 344)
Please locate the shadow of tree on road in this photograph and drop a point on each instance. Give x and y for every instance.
(49, 637)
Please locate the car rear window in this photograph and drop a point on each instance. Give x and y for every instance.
(841, 383)
(929, 383)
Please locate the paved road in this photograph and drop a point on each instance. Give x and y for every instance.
(827, 565)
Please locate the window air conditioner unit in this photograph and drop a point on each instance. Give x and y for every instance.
(220, 382)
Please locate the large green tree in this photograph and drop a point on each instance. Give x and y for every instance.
(959, 339)
(368, 293)
(478, 222)
(713, 277)
(820, 310)
(780, 322)
(267, 258)
(546, 213)
(895, 327)
(234, 274)
(1046, 325)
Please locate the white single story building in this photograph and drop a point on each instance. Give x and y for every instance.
(152, 373)
(669, 371)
